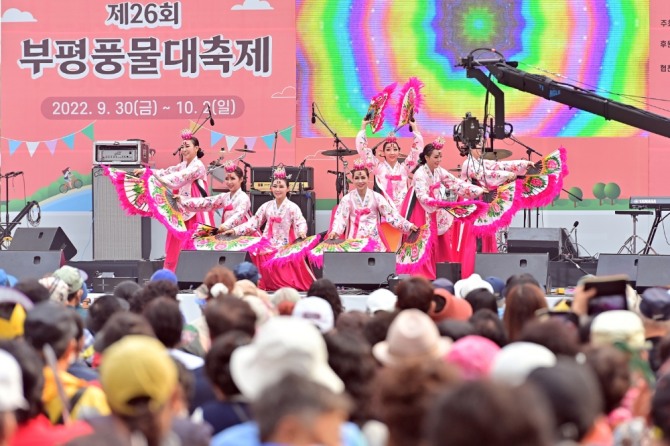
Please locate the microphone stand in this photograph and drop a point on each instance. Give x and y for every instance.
(337, 143)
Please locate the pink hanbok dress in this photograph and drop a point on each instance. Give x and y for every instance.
(236, 208)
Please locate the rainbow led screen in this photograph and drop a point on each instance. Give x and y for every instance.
(349, 50)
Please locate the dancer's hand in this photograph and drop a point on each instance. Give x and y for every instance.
(229, 232)
(364, 123)
(138, 172)
(332, 236)
(414, 228)
(222, 229)
(530, 163)
(301, 236)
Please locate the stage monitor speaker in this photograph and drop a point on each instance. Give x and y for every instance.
(193, 265)
(364, 270)
(554, 241)
(305, 200)
(43, 239)
(506, 265)
(116, 235)
(448, 270)
(609, 264)
(31, 264)
(653, 271)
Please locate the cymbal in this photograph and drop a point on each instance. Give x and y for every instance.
(245, 150)
(455, 170)
(343, 152)
(497, 154)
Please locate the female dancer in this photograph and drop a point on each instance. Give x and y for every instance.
(358, 214)
(235, 203)
(391, 177)
(189, 177)
(284, 223)
(432, 183)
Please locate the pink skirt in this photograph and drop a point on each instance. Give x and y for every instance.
(295, 274)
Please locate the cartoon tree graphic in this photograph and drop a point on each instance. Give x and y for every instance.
(575, 195)
(599, 192)
(612, 191)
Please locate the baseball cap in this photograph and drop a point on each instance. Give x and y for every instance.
(453, 308)
(615, 326)
(137, 366)
(247, 270)
(7, 279)
(316, 310)
(164, 274)
(381, 300)
(474, 282)
(11, 384)
(58, 289)
(655, 304)
(516, 361)
(73, 277)
(497, 284)
(444, 283)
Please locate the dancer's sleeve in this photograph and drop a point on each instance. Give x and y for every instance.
(199, 204)
(240, 211)
(391, 215)
(364, 151)
(341, 217)
(299, 222)
(462, 188)
(518, 167)
(255, 222)
(182, 177)
(415, 151)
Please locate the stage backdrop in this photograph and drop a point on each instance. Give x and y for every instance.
(78, 71)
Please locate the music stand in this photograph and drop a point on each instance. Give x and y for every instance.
(630, 244)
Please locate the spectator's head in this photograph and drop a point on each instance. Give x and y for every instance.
(446, 306)
(126, 290)
(573, 393)
(478, 413)
(53, 324)
(482, 298)
(317, 311)
(412, 337)
(11, 395)
(166, 320)
(286, 294)
(351, 358)
(285, 308)
(519, 279)
(376, 329)
(555, 334)
(443, 283)
(516, 361)
(31, 376)
(217, 362)
(521, 303)
(7, 280)
(164, 274)
(56, 288)
(13, 307)
(327, 290)
(475, 282)
(415, 292)
(296, 410)
(660, 406)
(454, 329)
(282, 345)
(74, 278)
(33, 290)
(352, 322)
(118, 326)
(151, 291)
(248, 271)
(473, 356)
(487, 324)
(655, 304)
(621, 326)
(140, 380)
(228, 314)
(101, 310)
(381, 300)
(611, 368)
(219, 275)
(497, 284)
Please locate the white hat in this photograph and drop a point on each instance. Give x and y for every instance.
(11, 384)
(412, 336)
(474, 282)
(618, 326)
(283, 345)
(381, 300)
(316, 310)
(516, 361)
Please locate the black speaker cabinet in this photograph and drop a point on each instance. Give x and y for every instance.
(365, 270)
(653, 271)
(306, 200)
(505, 265)
(554, 241)
(42, 239)
(31, 264)
(448, 270)
(193, 265)
(609, 264)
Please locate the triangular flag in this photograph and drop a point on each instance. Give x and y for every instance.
(32, 146)
(250, 142)
(69, 141)
(51, 145)
(13, 145)
(287, 133)
(268, 140)
(230, 141)
(88, 131)
(214, 137)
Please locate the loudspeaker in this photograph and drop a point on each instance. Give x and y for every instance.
(505, 265)
(193, 265)
(554, 241)
(116, 235)
(609, 264)
(448, 270)
(306, 200)
(42, 239)
(31, 264)
(365, 270)
(653, 271)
